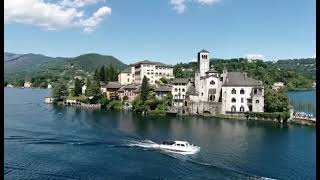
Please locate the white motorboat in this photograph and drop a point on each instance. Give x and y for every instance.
(179, 147)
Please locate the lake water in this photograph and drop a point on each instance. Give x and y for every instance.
(303, 97)
(46, 142)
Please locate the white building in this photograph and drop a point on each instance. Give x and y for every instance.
(152, 70)
(179, 89)
(277, 85)
(222, 93)
(241, 93)
(27, 84)
(49, 86)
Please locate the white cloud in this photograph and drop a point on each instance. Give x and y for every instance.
(78, 3)
(180, 5)
(255, 56)
(193, 60)
(52, 16)
(207, 2)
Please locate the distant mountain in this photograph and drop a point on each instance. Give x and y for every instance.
(17, 66)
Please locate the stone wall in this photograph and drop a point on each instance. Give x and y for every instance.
(202, 107)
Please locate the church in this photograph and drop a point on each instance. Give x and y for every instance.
(215, 93)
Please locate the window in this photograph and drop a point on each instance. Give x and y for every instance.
(221, 79)
(183, 96)
(241, 100)
(201, 94)
(257, 101)
(233, 91)
(255, 91)
(183, 90)
(233, 100)
(148, 73)
(128, 80)
(233, 108)
(175, 89)
(241, 91)
(128, 74)
(212, 82)
(241, 109)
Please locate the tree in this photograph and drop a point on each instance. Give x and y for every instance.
(88, 82)
(94, 91)
(96, 75)
(276, 101)
(60, 90)
(144, 89)
(164, 80)
(102, 74)
(125, 98)
(77, 87)
(177, 72)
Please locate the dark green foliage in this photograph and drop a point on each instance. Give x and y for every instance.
(104, 101)
(30, 65)
(96, 75)
(115, 105)
(19, 83)
(125, 98)
(77, 87)
(144, 92)
(275, 101)
(102, 74)
(5, 83)
(164, 80)
(279, 116)
(88, 83)
(60, 90)
(93, 91)
(111, 73)
(287, 71)
(177, 72)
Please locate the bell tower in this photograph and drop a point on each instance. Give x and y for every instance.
(203, 62)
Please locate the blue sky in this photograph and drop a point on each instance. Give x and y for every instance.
(149, 29)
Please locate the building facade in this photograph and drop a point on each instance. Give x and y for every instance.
(152, 70)
(228, 92)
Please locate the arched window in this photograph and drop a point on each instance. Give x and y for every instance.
(241, 109)
(233, 91)
(242, 91)
(183, 90)
(185, 103)
(212, 97)
(255, 91)
(212, 82)
(233, 108)
(201, 94)
(175, 89)
(233, 100)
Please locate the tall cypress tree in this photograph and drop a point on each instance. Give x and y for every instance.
(96, 75)
(77, 87)
(102, 74)
(144, 89)
(106, 76)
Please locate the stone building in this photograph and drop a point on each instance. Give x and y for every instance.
(112, 90)
(179, 89)
(152, 70)
(163, 91)
(223, 93)
(130, 91)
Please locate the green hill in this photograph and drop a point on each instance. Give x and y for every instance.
(26, 66)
